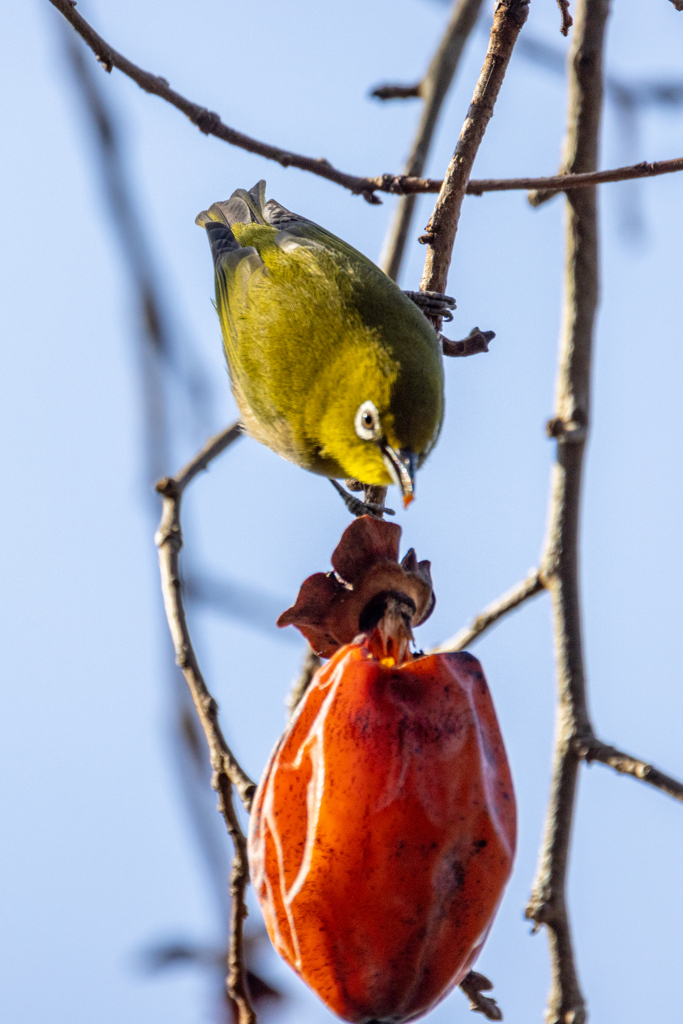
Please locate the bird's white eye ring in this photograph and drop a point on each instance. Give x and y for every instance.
(367, 422)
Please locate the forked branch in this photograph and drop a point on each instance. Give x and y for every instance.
(210, 123)
(227, 771)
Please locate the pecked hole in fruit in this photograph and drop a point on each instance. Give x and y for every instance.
(375, 610)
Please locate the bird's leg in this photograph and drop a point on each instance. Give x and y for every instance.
(376, 496)
(433, 303)
(360, 508)
(373, 497)
(476, 341)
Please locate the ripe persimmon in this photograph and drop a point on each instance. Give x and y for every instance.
(383, 830)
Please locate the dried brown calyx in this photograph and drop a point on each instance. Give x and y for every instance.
(368, 587)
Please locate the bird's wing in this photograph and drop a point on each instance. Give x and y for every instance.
(234, 264)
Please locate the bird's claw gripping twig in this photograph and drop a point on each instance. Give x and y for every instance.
(476, 341)
(433, 303)
(360, 508)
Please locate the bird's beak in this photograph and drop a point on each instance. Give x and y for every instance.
(401, 466)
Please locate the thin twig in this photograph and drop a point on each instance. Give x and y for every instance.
(169, 541)
(226, 769)
(213, 448)
(474, 985)
(475, 343)
(153, 337)
(207, 121)
(508, 19)
(567, 20)
(398, 92)
(492, 613)
(569, 182)
(236, 980)
(559, 566)
(594, 750)
(395, 184)
(401, 185)
(433, 90)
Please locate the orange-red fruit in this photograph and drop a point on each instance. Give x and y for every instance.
(383, 832)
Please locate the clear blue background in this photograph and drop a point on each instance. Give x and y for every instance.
(99, 857)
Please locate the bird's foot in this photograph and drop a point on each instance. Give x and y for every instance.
(476, 341)
(433, 303)
(361, 508)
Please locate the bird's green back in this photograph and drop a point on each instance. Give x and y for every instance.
(312, 329)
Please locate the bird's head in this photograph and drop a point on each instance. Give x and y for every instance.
(381, 419)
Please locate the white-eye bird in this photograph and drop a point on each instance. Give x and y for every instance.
(331, 364)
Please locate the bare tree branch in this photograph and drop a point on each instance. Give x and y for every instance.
(398, 92)
(155, 352)
(256, 608)
(508, 19)
(433, 90)
(207, 121)
(492, 613)
(226, 769)
(169, 541)
(593, 749)
(569, 182)
(401, 185)
(395, 184)
(567, 20)
(236, 981)
(559, 567)
(476, 342)
(474, 985)
(213, 448)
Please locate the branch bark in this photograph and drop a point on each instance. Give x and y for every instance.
(210, 123)
(433, 90)
(508, 19)
(559, 567)
(529, 587)
(474, 985)
(595, 750)
(567, 182)
(226, 769)
(169, 540)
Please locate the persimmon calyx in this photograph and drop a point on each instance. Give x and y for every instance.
(367, 579)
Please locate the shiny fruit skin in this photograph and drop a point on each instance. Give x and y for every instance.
(383, 832)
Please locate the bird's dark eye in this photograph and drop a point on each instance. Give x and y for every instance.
(367, 422)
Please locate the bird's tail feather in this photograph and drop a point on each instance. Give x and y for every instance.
(243, 207)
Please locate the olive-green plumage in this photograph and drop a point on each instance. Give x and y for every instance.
(312, 331)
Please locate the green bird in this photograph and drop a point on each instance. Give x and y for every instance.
(331, 364)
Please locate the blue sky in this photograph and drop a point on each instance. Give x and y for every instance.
(99, 855)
